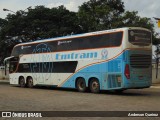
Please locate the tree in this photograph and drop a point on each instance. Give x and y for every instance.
(3, 22)
(131, 19)
(40, 23)
(47, 23)
(100, 14)
(36, 24)
(107, 14)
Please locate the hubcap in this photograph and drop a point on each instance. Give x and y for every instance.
(30, 83)
(95, 85)
(81, 85)
(22, 82)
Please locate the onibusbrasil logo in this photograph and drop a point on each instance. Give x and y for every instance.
(21, 114)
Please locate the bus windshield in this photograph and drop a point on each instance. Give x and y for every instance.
(140, 37)
(13, 64)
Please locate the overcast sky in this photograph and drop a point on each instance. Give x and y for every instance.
(145, 8)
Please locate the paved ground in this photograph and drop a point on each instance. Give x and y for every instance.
(51, 99)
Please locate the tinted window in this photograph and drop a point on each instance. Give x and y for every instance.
(48, 67)
(34, 48)
(89, 42)
(140, 37)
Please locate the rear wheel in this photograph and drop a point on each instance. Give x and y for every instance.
(22, 82)
(81, 85)
(94, 86)
(30, 82)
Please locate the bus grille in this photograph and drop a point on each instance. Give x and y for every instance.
(140, 61)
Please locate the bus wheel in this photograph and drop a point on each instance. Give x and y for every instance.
(22, 82)
(30, 82)
(94, 86)
(81, 85)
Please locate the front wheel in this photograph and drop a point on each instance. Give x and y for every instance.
(94, 86)
(30, 82)
(81, 85)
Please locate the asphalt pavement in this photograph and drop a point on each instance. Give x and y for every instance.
(14, 98)
(154, 85)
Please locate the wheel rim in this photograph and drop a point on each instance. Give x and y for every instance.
(22, 83)
(81, 85)
(95, 85)
(30, 83)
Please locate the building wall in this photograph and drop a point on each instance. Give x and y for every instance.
(2, 73)
(153, 51)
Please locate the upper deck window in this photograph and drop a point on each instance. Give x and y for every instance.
(85, 42)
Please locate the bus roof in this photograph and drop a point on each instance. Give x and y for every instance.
(81, 35)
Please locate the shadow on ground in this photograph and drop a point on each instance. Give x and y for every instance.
(131, 92)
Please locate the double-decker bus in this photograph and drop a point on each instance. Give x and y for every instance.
(116, 59)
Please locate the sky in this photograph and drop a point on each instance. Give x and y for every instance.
(145, 8)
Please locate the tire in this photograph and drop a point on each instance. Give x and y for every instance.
(94, 86)
(81, 85)
(22, 82)
(30, 82)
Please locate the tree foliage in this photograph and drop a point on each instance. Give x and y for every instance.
(41, 22)
(35, 24)
(108, 14)
(100, 14)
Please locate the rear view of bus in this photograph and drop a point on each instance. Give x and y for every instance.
(137, 58)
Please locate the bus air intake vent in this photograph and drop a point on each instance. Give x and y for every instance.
(140, 61)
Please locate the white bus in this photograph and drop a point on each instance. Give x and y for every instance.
(116, 59)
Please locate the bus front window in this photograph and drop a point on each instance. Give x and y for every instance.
(139, 37)
(13, 64)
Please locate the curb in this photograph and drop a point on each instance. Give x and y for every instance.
(4, 81)
(155, 87)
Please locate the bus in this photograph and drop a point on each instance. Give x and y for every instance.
(116, 59)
